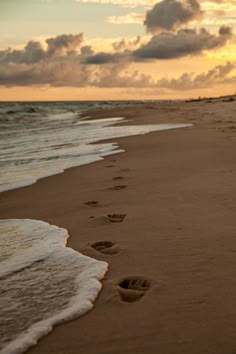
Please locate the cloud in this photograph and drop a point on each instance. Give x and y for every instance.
(190, 81)
(171, 14)
(103, 58)
(65, 71)
(64, 44)
(225, 31)
(86, 50)
(66, 61)
(123, 53)
(164, 45)
(113, 75)
(185, 42)
(133, 17)
(125, 44)
(33, 52)
(187, 81)
(118, 76)
(74, 74)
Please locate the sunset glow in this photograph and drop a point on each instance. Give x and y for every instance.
(116, 49)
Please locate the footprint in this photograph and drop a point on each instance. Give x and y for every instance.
(116, 217)
(118, 178)
(106, 247)
(118, 187)
(109, 166)
(107, 219)
(92, 203)
(133, 288)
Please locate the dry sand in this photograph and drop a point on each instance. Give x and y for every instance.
(178, 237)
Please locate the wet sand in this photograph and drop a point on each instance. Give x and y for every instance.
(172, 197)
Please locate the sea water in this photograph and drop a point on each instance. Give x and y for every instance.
(43, 282)
(42, 140)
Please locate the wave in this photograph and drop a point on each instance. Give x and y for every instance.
(33, 148)
(42, 282)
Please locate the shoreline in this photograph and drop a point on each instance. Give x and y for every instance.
(178, 202)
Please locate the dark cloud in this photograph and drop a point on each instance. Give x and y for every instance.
(116, 75)
(165, 45)
(74, 74)
(63, 72)
(185, 42)
(86, 50)
(32, 53)
(125, 44)
(64, 64)
(171, 14)
(103, 58)
(225, 31)
(123, 53)
(66, 44)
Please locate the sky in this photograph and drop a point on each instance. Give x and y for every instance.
(116, 49)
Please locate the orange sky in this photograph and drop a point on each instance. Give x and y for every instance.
(113, 28)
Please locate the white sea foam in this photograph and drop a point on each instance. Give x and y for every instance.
(35, 147)
(42, 282)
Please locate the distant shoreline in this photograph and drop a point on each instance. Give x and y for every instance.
(196, 99)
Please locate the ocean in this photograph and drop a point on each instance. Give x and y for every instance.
(43, 282)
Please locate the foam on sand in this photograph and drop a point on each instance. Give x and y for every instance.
(34, 148)
(42, 282)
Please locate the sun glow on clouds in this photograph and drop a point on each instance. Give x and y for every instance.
(188, 47)
(132, 17)
(226, 53)
(69, 61)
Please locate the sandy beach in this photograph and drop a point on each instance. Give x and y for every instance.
(173, 195)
